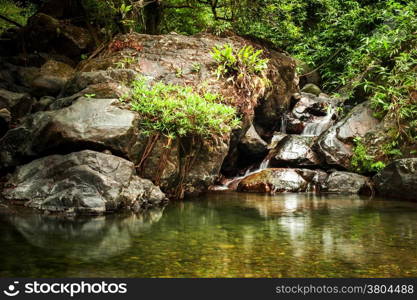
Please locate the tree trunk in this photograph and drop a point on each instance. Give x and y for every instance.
(153, 15)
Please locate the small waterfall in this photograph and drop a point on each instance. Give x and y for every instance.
(318, 126)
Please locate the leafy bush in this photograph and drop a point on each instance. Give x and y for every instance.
(178, 111)
(362, 162)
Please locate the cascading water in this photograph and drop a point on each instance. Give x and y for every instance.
(319, 125)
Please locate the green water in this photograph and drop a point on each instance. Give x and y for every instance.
(220, 235)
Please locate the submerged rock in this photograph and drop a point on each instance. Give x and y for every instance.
(85, 182)
(347, 183)
(278, 180)
(398, 180)
(336, 144)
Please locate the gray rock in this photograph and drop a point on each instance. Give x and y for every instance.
(252, 144)
(43, 103)
(47, 86)
(347, 183)
(18, 104)
(294, 150)
(336, 144)
(398, 180)
(85, 182)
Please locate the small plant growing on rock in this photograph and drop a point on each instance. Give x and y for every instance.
(361, 161)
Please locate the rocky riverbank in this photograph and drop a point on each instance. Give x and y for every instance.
(69, 142)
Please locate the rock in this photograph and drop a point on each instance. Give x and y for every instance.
(336, 144)
(53, 75)
(311, 88)
(295, 151)
(47, 86)
(85, 182)
(252, 144)
(94, 122)
(398, 180)
(5, 119)
(44, 33)
(18, 104)
(308, 74)
(311, 115)
(282, 180)
(43, 103)
(100, 124)
(347, 183)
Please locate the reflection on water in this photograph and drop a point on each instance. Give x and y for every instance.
(221, 235)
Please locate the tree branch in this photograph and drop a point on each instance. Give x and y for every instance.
(10, 21)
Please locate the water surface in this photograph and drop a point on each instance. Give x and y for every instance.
(220, 235)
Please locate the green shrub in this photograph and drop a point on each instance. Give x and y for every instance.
(178, 111)
(246, 61)
(361, 161)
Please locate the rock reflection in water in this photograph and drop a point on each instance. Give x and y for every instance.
(222, 235)
(94, 238)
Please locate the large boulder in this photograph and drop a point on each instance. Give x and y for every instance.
(282, 180)
(336, 144)
(85, 182)
(346, 183)
(295, 151)
(96, 123)
(104, 124)
(398, 180)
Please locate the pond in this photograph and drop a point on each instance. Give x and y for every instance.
(220, 235)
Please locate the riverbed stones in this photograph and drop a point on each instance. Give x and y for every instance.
(85, 182)
(398, 180)
(252, 144)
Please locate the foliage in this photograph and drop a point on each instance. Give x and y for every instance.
(362, 162)
(14, 11)
(178, 111)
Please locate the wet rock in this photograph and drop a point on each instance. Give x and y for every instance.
(347, 183)
(252, 144)
(311, 88)
(18, 104)
(85, 182)
(336, 144)
(294, 150)
(311, 115)
(282, 180)
(398, 180)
